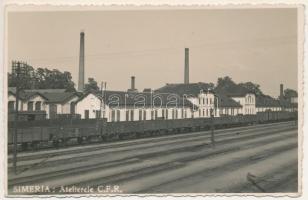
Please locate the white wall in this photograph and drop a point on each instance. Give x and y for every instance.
(231, 111)
(205, 102)
(145, 111)
(91, 103)
(263, 109)
(248, 103)
(23, 105)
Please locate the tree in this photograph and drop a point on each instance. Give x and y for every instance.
(26, 80)
(253, 87)
(226, 82)
(43, 78)
(288, 93)
(91, 86)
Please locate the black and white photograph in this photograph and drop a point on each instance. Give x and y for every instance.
(154, 100)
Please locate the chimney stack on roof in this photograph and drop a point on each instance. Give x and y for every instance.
(81, 64)
(281, 91)
(186, 70)
(132, 85)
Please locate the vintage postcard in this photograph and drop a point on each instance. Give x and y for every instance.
(118, 100)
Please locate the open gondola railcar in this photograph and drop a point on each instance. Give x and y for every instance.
(59, 132)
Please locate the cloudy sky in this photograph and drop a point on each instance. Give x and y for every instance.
(258, 45)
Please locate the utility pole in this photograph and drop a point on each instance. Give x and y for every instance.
(17, 70)
(212, 128)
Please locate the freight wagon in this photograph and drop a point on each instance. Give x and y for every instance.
(60, 132)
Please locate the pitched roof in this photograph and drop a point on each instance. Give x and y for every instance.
(115, 98)
(266, 101)
(185, 89)
(59, 97)
(46, 90)
(51, 95)
(84, 95)
(24, 95)
(225, 101)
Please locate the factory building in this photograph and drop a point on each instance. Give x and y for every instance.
(227, 106)
(172, 101)
(199, 94)
(241, 95)
(138, 106)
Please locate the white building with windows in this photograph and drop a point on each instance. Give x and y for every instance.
(88, 106)
(28, 101)
(241, 95)
(200, 95)
(134, 106)
(228, 106)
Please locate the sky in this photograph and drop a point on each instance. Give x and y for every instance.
(258, 45)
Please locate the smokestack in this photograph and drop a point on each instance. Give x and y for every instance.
(186, 71)
(132, 83)
(281, 91)
(81, 63)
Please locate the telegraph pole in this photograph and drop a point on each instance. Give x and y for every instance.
(212, 128)
(16, 70)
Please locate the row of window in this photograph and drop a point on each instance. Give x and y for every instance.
(230, 111)
(30, 105)
(205, 101)
(249, 111)
(249, 99)
(207, 112)
(115, 115)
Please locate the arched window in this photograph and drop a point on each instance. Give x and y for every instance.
(144, 115)
(38, 105)
(140, 115)
(11, 105)
(131, 115)
(118, 115)
(127, 115)
(30, 106)
(72, 108)
(152, 114)
(113, 113)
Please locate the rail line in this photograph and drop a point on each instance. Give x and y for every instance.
(44, 154)
(77, 157)
(136, 159)
(94, 146)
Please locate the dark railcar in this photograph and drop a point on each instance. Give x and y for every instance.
(60, 131)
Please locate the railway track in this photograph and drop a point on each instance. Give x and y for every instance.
(227, 143)
(129, 160)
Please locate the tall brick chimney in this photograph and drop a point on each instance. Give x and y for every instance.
(186, 70)
(81, 64)
(281, 91)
